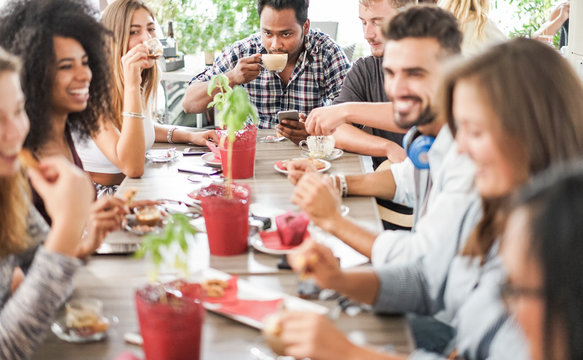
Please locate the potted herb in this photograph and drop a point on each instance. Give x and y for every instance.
(234, 108)
(170, 314)
(225, 207)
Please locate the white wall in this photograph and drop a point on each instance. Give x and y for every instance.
(343, 11)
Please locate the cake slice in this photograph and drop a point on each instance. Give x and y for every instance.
(292, 227)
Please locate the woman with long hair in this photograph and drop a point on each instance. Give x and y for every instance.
(514, 119)
(29, 303)
(542, 250)
(66, 84)
(478, 29)
(118, 148)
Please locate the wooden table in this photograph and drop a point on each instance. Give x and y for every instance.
(114, 279)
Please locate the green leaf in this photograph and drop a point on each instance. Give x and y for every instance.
(175, 230)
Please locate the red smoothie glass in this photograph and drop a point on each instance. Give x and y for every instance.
(226, 218)
(171, 326)
(243, 153)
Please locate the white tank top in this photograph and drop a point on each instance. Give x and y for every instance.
(95, 161)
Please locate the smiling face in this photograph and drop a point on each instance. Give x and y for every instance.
(142, 28)
(13, 122)
(372, 18)
(412, 71)
(281, 33)
(480, 135)
(70, 90)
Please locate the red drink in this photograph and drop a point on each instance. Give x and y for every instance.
(170, 326)
(243, 153)
(226, 219)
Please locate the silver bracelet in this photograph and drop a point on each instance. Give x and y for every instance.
(343, 185)
(133, 114)
(170, 132)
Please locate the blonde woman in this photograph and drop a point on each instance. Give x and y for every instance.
(479, 31)
(28, 303)
(118, 149)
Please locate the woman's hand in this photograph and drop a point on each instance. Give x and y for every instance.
(201, 137)
(313, 336)
(316, 195)
(68, 194)
(107, 215)
(317, 261)
(297, 168)
(133, 62)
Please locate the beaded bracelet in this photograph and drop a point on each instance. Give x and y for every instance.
(133, 114)
(343, 185)
(170, 132)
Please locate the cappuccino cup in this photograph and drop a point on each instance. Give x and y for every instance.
(318, 146)
(274, 62)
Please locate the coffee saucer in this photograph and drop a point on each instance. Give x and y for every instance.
(335, 154)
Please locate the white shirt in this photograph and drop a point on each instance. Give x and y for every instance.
(437, 212)
(95, 161)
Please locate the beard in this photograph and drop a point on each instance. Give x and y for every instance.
(425, 117)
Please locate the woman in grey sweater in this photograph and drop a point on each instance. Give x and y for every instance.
(510, 142)
(28, 303)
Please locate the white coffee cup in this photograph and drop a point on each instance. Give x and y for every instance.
(318, 146)
(274, 62)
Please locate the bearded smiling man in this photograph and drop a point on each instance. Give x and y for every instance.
(315, 69)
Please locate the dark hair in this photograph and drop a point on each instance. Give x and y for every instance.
(539, 114)
(9, 62)
(27, 28)
(425, 21)
(554, 202)
(299, 6)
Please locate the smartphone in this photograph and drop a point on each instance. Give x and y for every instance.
(199, 169)
(288, 115)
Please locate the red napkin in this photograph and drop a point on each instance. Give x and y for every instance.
(232, 305)
(272, 241)
(254, 309)
(215, 149)
(230, 295)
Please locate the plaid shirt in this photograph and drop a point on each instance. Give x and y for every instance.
(315, 81)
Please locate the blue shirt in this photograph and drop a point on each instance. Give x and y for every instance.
(315, 81)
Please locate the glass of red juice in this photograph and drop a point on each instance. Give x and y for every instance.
(170, 326)
(243, 162)
(226, 218)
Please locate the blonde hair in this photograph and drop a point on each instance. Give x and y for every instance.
(466, 11)
(117, 18)
(394, 3)
(15, 193)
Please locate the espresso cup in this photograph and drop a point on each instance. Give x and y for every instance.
(274, 62)
(318, 146)
(155, 48)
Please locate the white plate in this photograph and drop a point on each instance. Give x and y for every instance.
(333, 156)
(132, 226)
(162, 155)
(258, 244)
(271, 139)
(248, 291)
(327, 166)
(209, 159)
(71, 335)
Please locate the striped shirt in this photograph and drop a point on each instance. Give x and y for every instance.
(315, 81)
(26, 316)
